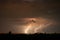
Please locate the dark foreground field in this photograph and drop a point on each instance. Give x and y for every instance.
(41, 36)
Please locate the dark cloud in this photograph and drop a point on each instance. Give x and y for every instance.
(10, 10)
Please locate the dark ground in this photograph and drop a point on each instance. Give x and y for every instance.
(41, 36)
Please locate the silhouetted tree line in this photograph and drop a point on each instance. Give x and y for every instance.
(10, 36)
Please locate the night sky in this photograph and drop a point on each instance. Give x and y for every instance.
(12, 13)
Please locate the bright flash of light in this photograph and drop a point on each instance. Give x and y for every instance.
(33, 27)
(28, 28)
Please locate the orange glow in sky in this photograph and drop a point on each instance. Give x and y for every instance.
(33, 27)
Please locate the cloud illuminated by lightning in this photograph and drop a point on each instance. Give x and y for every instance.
(40, 24)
